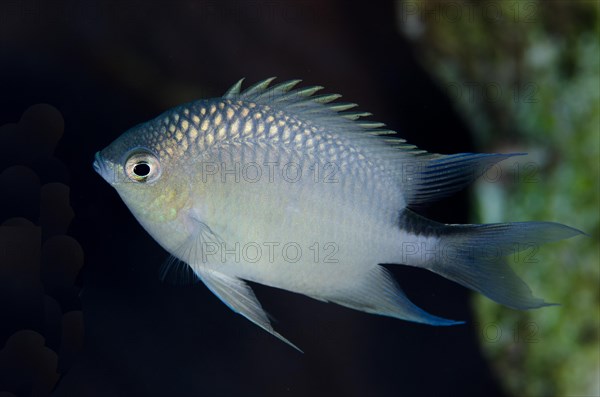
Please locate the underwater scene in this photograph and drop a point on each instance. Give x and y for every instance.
(270, 198)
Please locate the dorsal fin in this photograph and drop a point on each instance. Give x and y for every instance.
(423, 176)
(434, 176)
(234, 90)
(303, 101)
(259, 87)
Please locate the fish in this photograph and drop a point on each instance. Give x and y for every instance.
(284, 187)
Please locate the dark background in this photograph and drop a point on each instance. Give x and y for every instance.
(106, 66)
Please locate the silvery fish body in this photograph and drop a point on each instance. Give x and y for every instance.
(289, 189)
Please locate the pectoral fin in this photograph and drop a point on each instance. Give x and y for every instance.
(238, 295)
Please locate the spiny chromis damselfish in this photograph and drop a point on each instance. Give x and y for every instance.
(293, 190)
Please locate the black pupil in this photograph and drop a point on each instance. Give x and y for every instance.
(141, 169)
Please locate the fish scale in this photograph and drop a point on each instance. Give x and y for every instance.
(282, 130)
(298, 225)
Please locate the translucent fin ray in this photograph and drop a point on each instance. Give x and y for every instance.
(235, 293)
(437, 176)
(177, 272)
(256, 88)
(240, 298)
(378, 293)
(475, 255)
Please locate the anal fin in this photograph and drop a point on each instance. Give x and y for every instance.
(378, 293)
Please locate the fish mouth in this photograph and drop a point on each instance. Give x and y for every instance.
(101, 168)
(98, 163)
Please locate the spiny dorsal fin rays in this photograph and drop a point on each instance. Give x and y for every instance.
(399, 143)
(356, 115)
(276, 93)
(235, 89)
(378, 132)
(325, 98)
(370, 125)
(283, 92)
(257, 87)
(298, 99)
(341, 106)
(301, 93)
(303, 101)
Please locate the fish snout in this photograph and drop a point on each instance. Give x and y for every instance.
(101, 168)
(98, 163)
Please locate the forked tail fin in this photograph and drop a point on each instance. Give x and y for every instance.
(475, 255)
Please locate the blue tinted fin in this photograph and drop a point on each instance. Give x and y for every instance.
(378, 293)
(198, 252)
(236, 294)
(475, 255)
(429, 177)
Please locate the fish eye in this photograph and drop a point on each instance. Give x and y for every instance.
(141, 170)
(142, 167)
